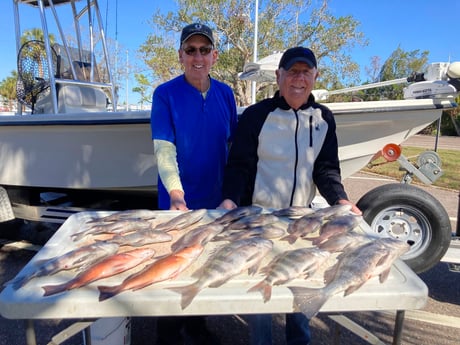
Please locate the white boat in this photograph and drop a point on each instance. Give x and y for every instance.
(67, 139)
(73, 144)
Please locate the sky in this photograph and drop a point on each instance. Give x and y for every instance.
(409, 24)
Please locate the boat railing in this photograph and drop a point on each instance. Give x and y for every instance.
(74, 77)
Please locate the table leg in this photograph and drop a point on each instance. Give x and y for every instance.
(399, 321)
(30, 333)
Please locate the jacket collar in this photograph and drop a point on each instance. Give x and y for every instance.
(281, 102)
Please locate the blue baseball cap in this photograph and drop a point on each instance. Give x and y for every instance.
(297, 54)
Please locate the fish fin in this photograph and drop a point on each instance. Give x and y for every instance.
(316, 241)
(330, 273)
(264, 288)
(353, 288)
(54, 289)
(312, 239)
(308, 301)
(291, 239)
(187, 292)
(106, 292)
(384, 275)
(254, 268)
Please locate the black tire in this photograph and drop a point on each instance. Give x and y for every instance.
(413, 215)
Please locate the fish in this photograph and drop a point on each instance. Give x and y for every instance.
(353, 269)
(252, 221)
(302, 227)
(226, 262)
(237, 213)
(141, 238)
(122, 215)
(108, 267)
(165, 268)
(343, 242)
(337, 225)
(396, 248)
(289, 265)
(183, 220)
(122, 226)
(269, 231)
(199, 235)
(333, 211)
(293, 211)
(78, 258)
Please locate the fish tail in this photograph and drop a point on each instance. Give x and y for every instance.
(290, 238)
(188, 294)
(308, 301)
(54, 289)
(264, 288)
(106, 292)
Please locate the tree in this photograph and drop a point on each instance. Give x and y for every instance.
(142, 88)
(281, 24)
(8, 88)
(400, 64)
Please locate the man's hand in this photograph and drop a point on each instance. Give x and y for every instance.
(177, 200)
(354, 208)
(227, 204)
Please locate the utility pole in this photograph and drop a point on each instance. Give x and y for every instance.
(127, 79)
(256, 32)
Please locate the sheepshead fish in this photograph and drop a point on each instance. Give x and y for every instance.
(343, 242)
(288, 265)
(337, 225)
(108, 267)
(252, 221)
(333, 211)
(183, 220)
(122, 226)
(199, 235)
(163, 269)
(396, 248)
(121, 215)
(353, 269)
(302, 227)
(141, 238)
(269, 231)
(227, 262)
(293, 212)
(237, 213)
(78, 258)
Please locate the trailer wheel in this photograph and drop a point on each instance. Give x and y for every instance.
(413, 215)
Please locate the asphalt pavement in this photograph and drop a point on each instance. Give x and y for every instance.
(437, 323)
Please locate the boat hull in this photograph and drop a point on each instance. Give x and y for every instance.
(109, 151)
(114, 151)
(364, 128)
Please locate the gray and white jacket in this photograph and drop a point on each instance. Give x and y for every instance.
(279, 155)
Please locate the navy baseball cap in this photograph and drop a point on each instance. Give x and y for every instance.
(297, 54)
(196, 29)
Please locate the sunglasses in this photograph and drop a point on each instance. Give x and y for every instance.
(192, 51)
